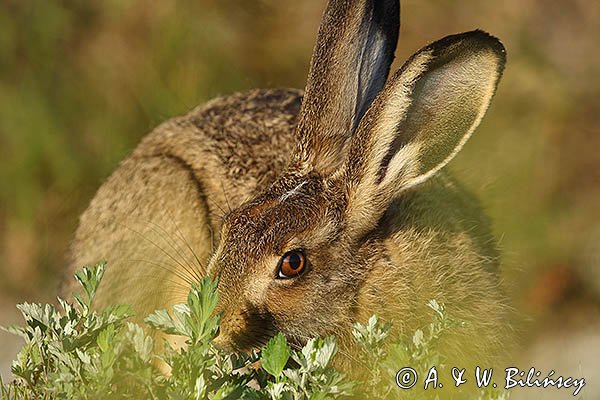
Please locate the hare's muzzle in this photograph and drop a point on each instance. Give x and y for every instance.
(244, 328)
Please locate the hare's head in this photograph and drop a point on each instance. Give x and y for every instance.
(294, 258)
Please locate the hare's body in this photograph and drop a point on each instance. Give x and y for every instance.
(315, 211)
(437, 237)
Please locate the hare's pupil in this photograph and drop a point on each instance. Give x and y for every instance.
(294, 261)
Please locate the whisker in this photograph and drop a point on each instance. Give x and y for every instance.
(212, 240)
(171, 242)
(182, 236)
(172, 270)
(157, 246)
(177, 283)
(176, 291)
(225, 195)
(223, 212)
(174, 285)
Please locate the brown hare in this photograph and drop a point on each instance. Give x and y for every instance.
(315, 209)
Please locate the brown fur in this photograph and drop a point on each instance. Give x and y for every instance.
(351, 174)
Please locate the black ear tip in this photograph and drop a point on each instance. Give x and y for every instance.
(488, 40)
(386, 16)
(470, 42)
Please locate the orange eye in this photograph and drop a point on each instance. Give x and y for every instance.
(292, 264)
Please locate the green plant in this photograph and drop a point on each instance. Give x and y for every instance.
(75, 352)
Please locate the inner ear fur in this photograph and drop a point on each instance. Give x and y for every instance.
(422, 118)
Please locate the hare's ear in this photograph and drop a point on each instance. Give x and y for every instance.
(421, 119)
(350, 64)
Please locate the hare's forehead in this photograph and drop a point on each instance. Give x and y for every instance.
(269, 221)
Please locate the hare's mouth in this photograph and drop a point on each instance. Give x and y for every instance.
(245, 330)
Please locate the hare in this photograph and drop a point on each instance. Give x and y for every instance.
(315, 209)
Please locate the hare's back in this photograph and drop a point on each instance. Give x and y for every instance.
(236, 145)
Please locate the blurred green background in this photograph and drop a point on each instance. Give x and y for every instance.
(82, 81)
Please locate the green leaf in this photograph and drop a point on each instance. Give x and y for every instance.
(275, 355)
(418, 338)
(142, 343)
(89, 278)
(162, 321)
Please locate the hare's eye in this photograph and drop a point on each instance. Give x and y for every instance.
(292, 264)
